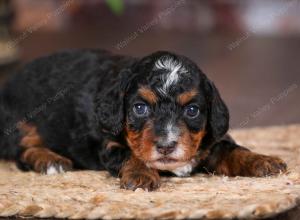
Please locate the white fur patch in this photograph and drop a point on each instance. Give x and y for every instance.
(184, 170)
(172, 133)
(174, 67)
(52, 170)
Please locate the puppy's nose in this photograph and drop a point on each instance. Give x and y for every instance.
(166, 148)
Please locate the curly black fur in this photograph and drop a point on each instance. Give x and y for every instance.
(63, 95)
(79, 100)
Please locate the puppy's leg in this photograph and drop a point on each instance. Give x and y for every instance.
(36, 156)
(230, 159)
(43, 160)
(135, 174)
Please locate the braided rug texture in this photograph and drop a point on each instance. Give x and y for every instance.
(91, 194)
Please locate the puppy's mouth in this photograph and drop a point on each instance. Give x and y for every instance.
(166, 160)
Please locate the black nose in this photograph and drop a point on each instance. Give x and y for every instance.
(166, 148)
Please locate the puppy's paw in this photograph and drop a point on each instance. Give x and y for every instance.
(42, 160)
(53, 165)
(266, 165)
(147, 181)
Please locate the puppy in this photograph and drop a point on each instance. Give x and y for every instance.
(136, 118)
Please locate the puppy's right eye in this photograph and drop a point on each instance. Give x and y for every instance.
(141, 109)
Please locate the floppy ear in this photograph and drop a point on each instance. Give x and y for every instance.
(110, 105)
(218, 115)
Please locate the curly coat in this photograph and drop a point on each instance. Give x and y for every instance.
(89, 109)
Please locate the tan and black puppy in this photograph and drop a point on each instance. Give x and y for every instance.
(88, 109)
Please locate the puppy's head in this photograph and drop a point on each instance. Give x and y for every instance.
(167, 109)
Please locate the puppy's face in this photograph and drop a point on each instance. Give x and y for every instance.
(166, 113)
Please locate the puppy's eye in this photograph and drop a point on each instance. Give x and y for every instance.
(141, 109)
(191, 111)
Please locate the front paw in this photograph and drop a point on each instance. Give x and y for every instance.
(262, 165)
(147, 181)
(53, 165)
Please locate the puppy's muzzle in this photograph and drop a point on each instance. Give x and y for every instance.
(166, 148)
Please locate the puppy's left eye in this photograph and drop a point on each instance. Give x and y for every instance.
(141, 109)
(191, 111)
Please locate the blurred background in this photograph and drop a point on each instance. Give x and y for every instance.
(250, 49)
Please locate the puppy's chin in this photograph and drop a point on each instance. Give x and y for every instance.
(167, 164)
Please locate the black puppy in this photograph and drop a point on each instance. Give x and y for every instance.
(89, 109)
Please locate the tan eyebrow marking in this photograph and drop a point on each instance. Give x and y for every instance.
(148, 95)
(185, 97)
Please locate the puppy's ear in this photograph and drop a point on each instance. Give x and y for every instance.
(110, 105)
(218, 115)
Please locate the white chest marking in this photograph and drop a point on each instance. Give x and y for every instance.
(184, 170)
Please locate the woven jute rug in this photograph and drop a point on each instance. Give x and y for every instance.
(91, 194)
